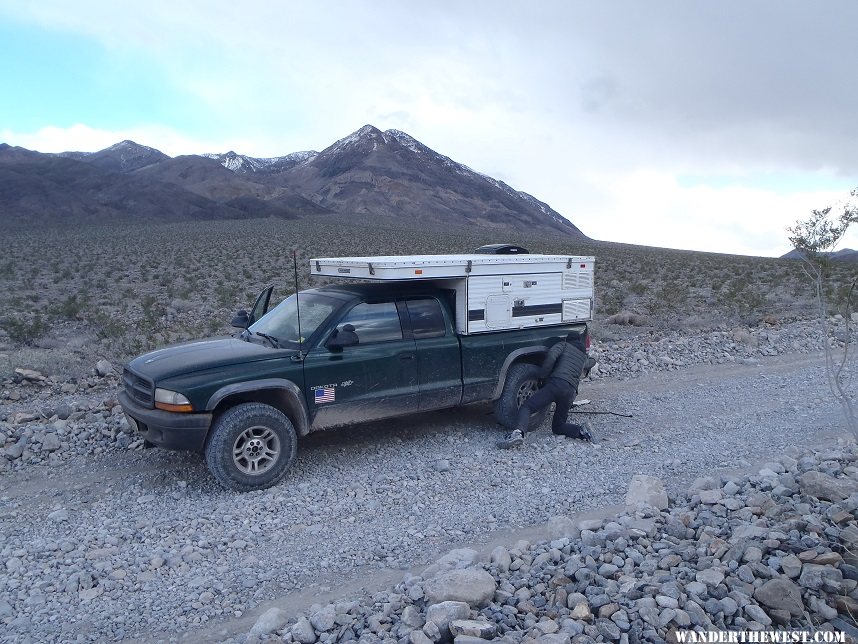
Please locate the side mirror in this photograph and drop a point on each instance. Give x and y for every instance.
(241, 320)
(342, 338)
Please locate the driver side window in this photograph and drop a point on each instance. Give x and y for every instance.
(378, 322)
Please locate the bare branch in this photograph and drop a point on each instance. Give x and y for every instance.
(816, 238)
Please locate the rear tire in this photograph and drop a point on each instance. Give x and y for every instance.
(521, 383)
(251, 447)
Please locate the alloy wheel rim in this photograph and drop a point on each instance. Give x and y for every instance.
(255, 450)
(525, 391)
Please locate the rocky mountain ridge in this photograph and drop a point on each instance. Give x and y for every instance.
(389, 175)
(842, 255)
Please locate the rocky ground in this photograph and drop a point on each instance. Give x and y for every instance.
(103, 541)
(773, 549)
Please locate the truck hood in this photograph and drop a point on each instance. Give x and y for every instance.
(190, 357)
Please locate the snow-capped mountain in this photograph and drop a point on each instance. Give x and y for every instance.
(386, 174)
(242, 164)
(393, 174)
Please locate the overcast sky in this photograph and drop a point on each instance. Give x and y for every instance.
(700, 125)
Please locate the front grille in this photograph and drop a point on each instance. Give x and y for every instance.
(141, 390)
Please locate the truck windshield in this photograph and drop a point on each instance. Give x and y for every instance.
(281, 322)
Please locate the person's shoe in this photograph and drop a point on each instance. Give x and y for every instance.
(581, 432)
(514, 439)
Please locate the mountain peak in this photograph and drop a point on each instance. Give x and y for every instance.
(125, 156)
(363, 136)
(367, 130)
(129, 145)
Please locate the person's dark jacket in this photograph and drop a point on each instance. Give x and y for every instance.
(566, 361)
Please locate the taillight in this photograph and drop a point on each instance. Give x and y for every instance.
(587, 342)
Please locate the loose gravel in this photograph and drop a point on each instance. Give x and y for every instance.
(128, 543)
(772, 549)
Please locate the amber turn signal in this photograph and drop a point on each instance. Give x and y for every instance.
(169, 407)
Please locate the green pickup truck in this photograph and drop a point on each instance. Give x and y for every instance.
(361, 352)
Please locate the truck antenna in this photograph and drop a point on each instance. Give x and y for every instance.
(298, 301)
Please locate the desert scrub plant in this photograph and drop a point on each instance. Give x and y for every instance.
(105, 326)
(638, 288)
(671, 297)
(742, 296)
(816, 238)
(25, 329)
(70, 308)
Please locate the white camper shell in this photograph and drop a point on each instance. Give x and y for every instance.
(493, 292)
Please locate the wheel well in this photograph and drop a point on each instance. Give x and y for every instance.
(532, 357)
(278, 398)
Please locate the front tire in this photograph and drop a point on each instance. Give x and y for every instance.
(521, 383)
(251, 447)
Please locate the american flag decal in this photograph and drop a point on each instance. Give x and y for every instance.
(325, 395)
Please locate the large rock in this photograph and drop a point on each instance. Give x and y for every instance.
(103, 368)
(791, 565)
(780, 594)
(16, 450)
(303, 631)
(51, 443)
(412, 618)
(711, 497)
(29, 374)
(419, 637)
(711, 577)
(646, 491)
(473, 586)
(443, 613)
(474, 628)
(456, 558)
(501, 558)
(818, 577)
(825, 487)
(271, 620)
(324, 620)
(556, 638)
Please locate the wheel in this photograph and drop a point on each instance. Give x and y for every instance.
(521, 382)
(251, 447)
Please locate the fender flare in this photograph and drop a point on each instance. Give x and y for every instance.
(294, 397)
(539, 350)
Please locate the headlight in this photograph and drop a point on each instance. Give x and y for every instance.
(171, 401)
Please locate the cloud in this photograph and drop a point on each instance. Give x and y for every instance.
(595, 108)
(83, 138)
(657, 211)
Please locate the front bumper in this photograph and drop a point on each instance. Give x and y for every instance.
(168, 429)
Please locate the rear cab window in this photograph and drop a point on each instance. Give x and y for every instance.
(427, 318)
(374, 322)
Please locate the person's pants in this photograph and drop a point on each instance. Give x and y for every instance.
(559, 392)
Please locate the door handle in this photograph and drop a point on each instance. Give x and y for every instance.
(407, 356)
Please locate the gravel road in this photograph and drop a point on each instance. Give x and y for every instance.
(143, 545)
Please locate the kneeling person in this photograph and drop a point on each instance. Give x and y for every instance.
(561, 369)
